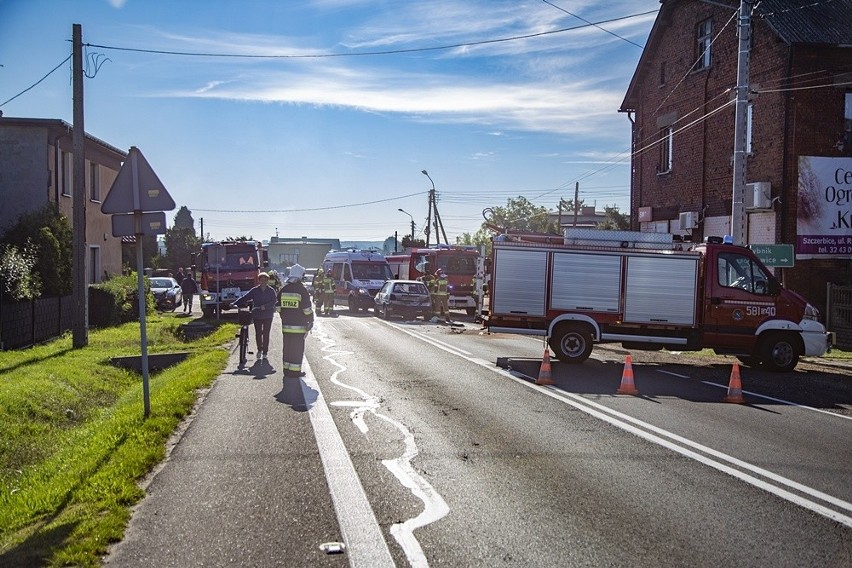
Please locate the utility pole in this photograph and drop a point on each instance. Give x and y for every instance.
(738, 216)
(576, 201)
(80, 326)
(433, 206)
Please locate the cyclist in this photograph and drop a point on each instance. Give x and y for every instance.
(264, 299)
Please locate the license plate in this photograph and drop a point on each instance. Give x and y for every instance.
(230, 292)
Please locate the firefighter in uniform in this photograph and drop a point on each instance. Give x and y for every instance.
(328, 295)
(441, 303)
(319, 290)
(297, 319)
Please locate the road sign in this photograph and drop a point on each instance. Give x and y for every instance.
(778, 256)
(152, 223)
(137, 188)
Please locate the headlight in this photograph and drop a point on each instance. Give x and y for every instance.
(363, 291)
(811, 312)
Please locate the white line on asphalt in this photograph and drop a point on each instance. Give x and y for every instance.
(365, 544)
(434, 506)
(782, 401)
(622, 421)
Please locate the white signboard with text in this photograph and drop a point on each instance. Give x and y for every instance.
(824, 219)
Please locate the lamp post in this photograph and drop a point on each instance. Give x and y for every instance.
(433, 206)
(412, 225)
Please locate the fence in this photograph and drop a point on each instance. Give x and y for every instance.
(839, 314)
(27, 323)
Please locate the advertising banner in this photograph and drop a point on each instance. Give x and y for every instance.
(824, 219)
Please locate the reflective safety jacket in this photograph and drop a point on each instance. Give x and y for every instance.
(441, 285)
(294, 306)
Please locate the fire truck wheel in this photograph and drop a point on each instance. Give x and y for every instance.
(571, 344)
(779, 352)
(353, 305)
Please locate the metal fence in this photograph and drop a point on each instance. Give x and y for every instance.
(839, 314)
(26, 323)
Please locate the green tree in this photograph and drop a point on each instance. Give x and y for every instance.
(183, 219)
(614, 220)
(406, 242)
(180, 245)
(50, 235)
(520, 214)
(568, 205)
(18, 281)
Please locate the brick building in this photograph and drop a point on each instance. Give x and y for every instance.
(36, 168)
(798, 136)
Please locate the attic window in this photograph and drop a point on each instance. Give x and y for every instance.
(704, 40)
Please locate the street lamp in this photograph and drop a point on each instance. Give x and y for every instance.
(412, 225)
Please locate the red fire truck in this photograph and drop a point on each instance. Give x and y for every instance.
(229, 269)
(636, 289)
(458, 262)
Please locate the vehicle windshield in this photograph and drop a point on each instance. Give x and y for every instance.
(225, 258)
(417, 288)
(161, 283)
(458, 264)
(371, 271)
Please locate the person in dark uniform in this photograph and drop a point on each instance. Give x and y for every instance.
(263, 309)
(297, 319)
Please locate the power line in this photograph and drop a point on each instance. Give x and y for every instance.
(49, 73)
(592, 24)
(369, 53)
(309, 209)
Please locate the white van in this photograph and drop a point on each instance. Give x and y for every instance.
(358, 275)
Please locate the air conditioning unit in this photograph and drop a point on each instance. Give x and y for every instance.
(688, 220)
(758, 195)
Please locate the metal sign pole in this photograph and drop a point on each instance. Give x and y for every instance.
(140, 282)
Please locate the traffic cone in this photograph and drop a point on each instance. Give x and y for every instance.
(544, 375)
(627, 386)
(735, 387)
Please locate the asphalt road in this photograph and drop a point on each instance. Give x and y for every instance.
(410, 445)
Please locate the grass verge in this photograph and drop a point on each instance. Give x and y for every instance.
(73, 440)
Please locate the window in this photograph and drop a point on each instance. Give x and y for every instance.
(666, 146)
(94, 264)
(738, 271)
(847, 122)
(703, 42)
(749, 115)
(94, 182)
(66, 173)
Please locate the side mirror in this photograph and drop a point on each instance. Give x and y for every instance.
(774, 287)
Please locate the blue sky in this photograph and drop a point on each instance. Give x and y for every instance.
(328, 139)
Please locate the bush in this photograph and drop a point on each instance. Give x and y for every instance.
(116, 301)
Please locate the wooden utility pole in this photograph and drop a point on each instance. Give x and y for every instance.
(80, 326)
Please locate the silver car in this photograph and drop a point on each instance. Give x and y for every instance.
(406, 298)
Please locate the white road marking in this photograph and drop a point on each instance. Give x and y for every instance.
(434, 506)
(633, 426)
(782, 401)
(365, 544)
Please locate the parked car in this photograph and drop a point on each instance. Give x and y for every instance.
(167, 293)
(308, 279)
(406, 298)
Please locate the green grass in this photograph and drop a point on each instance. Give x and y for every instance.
(73, 440)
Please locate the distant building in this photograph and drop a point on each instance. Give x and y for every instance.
(36, 168)
(586, 218)
(307, 252)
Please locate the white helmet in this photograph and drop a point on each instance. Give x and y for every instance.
(297, 272)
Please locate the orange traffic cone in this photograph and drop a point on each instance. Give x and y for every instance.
(735, 387)
(544, 375)
(627, 386)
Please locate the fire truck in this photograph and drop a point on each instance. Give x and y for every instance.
(637, 289)
(229, 269)
(460, 264)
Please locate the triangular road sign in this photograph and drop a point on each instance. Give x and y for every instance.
(137, 188)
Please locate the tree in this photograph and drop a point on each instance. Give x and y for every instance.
(181, 244)
(568, 205)
(406, 242)
(50, 235)
(183, 219)
(18, 281)
(614, 220)
(520, 214)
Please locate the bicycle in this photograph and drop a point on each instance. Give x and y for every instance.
(245, 320)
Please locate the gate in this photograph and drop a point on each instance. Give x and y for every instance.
(839, 314)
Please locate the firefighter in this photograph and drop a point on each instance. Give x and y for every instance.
(441, 303)
(319, 290)
(297, 319)
(328, 295)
